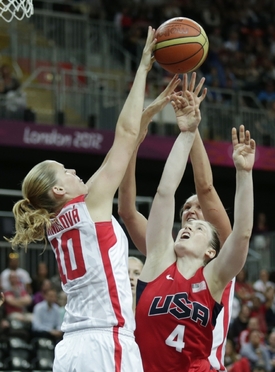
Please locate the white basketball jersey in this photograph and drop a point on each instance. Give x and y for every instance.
(93, 265)
(221, 328)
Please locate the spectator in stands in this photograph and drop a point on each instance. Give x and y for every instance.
(231, 356)
(214, 96)
(46, 320)
(256, 352)
(234, 362)
(253, 74)
(243, 289)
(39, 296)
(42, 273)
(11, 83)
(270, 309)
(15, 98)
(253, 324)
(267, 94)
(238, 325)
(215, 40)
(16, 299)
(214, 75)
(233, 43)
(23, 275)
(260, 239)
(171, 9)
(211, 17)
(260, 224)
(271, 349)
(258, 310)
(260, 286)
(123, 20)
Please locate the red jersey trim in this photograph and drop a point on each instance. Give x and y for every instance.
(80, 198)
(106, 240)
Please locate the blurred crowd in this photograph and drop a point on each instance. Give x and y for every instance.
(31, 316)
(252, 328)
(13, 99)
(241, 36)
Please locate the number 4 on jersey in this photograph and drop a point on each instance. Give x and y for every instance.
(175, 339)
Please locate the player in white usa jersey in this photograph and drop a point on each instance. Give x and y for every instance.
(206, 205)
(91, 248)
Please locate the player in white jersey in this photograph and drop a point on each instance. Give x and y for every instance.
(206, 205)
(91, 248)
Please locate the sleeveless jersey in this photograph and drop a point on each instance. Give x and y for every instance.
(92, 260)
(175, 318)
(221, 329)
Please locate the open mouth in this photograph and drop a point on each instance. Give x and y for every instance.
(185, 235)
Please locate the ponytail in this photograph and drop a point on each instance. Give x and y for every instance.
(33, 213)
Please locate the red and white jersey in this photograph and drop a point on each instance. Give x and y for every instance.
(92, 260)
(221, 329)
(175, 318)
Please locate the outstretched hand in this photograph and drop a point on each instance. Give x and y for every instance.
(147, 58)
(243, 149)
(164, 97)
(156, 106)
(194, 90)
(187, 112)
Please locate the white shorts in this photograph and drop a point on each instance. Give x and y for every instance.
(97, 350)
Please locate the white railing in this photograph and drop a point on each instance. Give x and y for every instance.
(54, 37)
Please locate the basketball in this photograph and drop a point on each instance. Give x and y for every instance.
(182, 45)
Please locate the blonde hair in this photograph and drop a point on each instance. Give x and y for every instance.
(133, 258)
(33, 213)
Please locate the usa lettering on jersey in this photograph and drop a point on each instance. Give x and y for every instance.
(179, 306)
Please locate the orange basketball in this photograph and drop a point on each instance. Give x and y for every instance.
(182, 45)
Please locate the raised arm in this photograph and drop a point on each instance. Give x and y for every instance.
(134, 221)
(234, 253)
(211, 205)
(159, 240)
(103, 185)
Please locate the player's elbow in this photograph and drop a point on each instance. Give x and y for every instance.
(128, 129)
(204, 188)
(126, 213)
